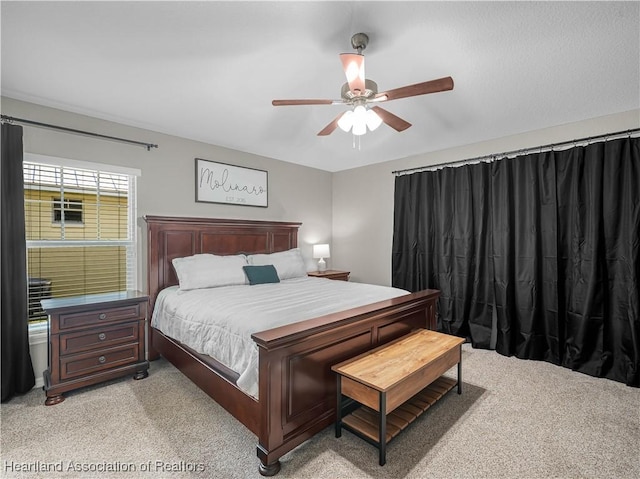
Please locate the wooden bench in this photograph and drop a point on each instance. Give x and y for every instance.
(402, 379)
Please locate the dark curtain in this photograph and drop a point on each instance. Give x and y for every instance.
(525, 257)
(443, 241)
(17, 370)
(555, 235)
(599, 244)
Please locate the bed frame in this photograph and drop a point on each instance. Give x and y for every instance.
(296, 386)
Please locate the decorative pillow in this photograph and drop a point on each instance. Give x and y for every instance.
(261, 274)
(288, 264)
(209, 271)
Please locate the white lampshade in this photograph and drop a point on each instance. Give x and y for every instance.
(346, 121)
(359, 120)
(321, 251)
(373, 120)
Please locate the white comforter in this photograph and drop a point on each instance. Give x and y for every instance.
(219, 321)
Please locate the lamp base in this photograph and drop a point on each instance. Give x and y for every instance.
(322, 265)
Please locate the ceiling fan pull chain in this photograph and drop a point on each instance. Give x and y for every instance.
(354, 141)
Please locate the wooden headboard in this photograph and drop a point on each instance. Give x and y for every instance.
(176, 237)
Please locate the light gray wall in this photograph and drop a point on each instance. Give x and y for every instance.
(352, 209)
(167, 184)
(363, 197)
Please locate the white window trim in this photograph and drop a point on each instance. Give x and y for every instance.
(38, 330)
(81, 164)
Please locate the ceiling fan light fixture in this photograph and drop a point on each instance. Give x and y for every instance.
(359, 114)
(373, 120)
(359, 120)
(346, 121)
(359, 129)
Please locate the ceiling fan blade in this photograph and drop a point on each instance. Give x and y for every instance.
(390, 119)
(327, 130)
(433, 86)
(353, 65)
(301, 102)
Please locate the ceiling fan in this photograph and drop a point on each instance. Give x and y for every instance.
(362, 94)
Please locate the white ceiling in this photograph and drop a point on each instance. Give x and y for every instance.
(209, 70)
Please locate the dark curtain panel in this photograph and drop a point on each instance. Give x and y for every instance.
(599, 239)
(17, 370)
(551, 239)
(442, 240)
(525, 257)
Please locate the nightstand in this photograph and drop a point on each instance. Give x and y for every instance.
(94, 338)
(331, 274)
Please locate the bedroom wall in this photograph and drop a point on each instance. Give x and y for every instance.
(166, 187)
(363, 222)
(334, 207)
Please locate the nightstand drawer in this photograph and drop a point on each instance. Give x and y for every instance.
(86, 318)
(94, 361)
(98, 338)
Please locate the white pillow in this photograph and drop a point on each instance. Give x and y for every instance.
(288, 264)
(209, 271)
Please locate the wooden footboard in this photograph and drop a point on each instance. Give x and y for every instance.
(296, 385)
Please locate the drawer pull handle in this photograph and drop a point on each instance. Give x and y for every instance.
(102, 359)
(102, 316)
(102, 336)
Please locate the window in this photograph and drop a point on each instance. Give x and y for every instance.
(80, 229)
(68, 211)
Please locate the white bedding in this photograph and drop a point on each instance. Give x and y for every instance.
(219, 321)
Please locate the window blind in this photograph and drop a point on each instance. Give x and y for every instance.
(80, 231)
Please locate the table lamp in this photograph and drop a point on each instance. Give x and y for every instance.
(321, 251)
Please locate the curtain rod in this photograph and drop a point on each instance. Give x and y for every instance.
(478, 159)
(11, 119)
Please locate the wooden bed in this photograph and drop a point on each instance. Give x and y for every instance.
(296, 386)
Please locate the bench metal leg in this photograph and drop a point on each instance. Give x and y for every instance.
(338, 406)
(383, 428)
(460, 373)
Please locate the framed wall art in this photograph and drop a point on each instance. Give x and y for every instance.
(229, 184)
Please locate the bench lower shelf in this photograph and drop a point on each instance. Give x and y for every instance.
(366, 422)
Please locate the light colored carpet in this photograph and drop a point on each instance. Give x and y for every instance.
(515, 419)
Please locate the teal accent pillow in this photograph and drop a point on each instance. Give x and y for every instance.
(261, 274)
